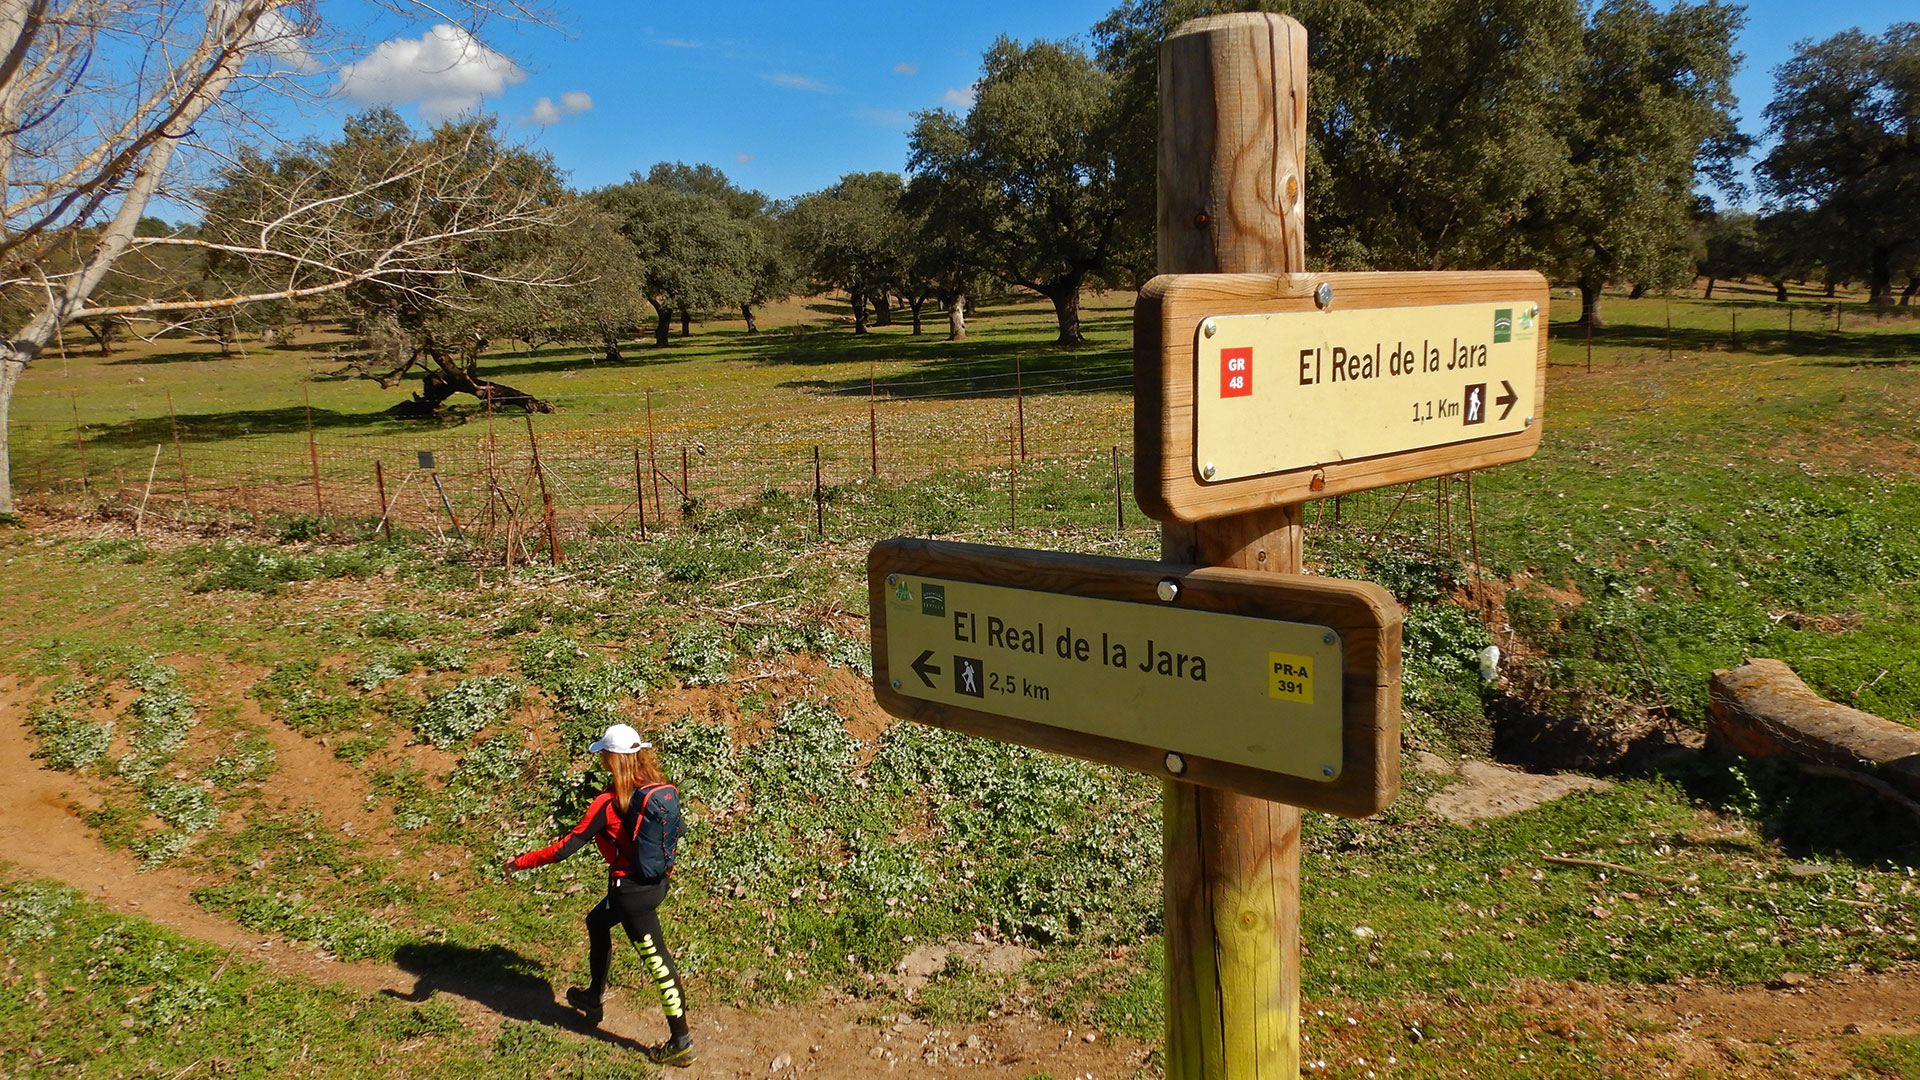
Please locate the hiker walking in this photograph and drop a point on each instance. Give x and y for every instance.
(636, 825)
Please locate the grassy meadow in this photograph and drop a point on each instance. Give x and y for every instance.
(340, 735)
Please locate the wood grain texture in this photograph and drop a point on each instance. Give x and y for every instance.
(1167, 315)
(1232, 152)
(1364, 614)
(1233, 92)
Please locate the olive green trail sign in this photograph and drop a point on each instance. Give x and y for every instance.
(1267, 684)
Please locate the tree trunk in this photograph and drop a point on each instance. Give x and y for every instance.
(447, 378)
(13, 361)
(1639, 290)
(957, 317)
(1709, 293)
(236, 22)
(662, 325)
(1907, 294)
(917, 303)
(1880, 277)
(1590, 305)
(1833, 288)
(746, 312)
(859, 300)
(1066, 310)
(102, 333)
(1780, 291)
(686, 323)
(882, 309)
(610, 350)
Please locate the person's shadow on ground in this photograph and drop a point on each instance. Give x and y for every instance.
(496, 977)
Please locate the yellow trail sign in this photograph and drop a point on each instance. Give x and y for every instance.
(1254, 682)
(1261, 390)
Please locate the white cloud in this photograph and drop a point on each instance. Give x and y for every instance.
(573, 101)
(906, 69)
(446, 71)
(795, 82)
(280, 37)
(743, 158)
(960, 99)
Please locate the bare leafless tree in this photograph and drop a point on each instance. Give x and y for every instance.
(100, 103)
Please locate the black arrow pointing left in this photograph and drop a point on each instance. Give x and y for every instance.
(1506, 399)
(924, 669)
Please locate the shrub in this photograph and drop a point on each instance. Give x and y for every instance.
(467, 708)
(69, 743)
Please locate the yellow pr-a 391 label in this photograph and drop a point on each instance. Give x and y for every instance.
(1290, 677)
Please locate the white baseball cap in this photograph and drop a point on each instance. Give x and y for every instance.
(620, 739)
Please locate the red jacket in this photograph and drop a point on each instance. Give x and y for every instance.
(601, 824)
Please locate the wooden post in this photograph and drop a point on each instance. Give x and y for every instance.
(1669, 329)
(1119, 499)
(686, 489)
(140, 518)
(873, 425)
(546, 497)
(493, 476)
(1020, 406)
(313, 448)
(1232, 153)
(1013, 477)
(653, 465)
(1587, 317)
(380, 485)
(640, 492)
(1734, 336)
(173, 422)
(79, 441)
(819, 500)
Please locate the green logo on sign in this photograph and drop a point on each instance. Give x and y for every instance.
(1502, 325)
(933, 599)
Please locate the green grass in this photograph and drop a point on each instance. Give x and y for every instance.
(91, 993)
(1681, 516)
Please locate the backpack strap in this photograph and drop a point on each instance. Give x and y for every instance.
(630, 825)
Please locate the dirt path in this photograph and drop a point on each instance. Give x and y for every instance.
(43, 836)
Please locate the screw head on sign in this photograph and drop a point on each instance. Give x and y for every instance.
(892, 580)
(1529, 422)
(1176, 764)
(1323, 295)
(1326, 770)
(1327, 638)
(896, 683)
(1168, 590)
(1208, 470)
(1209, 328)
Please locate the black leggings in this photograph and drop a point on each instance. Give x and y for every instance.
(635, 907)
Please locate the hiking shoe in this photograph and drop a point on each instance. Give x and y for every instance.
(679, 1055)
(587, 1002)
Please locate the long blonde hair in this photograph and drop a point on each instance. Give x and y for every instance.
(631, 772)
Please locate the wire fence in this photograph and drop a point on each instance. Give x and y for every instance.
(639, 459)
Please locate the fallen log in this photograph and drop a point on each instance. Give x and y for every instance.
(1762, 709)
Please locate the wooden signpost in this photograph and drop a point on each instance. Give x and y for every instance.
(1258, 387)
(1112, 659)
(1255, 390)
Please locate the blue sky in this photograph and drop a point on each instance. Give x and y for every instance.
(787, 97)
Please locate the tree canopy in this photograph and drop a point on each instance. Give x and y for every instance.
(694, 254)
(1843, 121)
(1035, 164)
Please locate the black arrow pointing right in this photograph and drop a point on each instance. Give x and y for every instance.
(1506, 399)
(924, 669)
